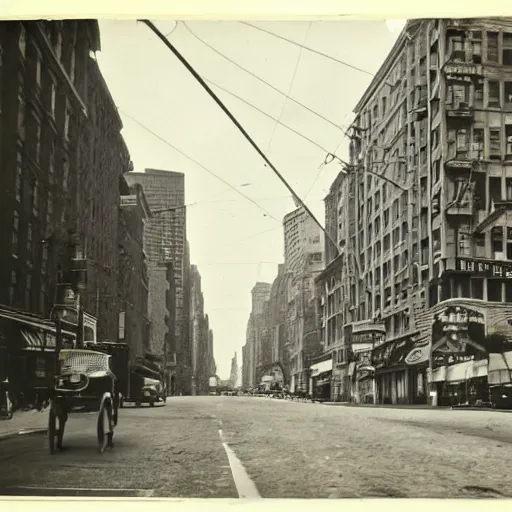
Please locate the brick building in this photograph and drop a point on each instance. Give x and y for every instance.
(62, 157)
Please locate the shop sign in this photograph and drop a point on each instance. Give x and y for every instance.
(375, 338)
(417, 355)
(368, 327)
(453, 329)
(484, 268)
(449, 359)
(463, 69)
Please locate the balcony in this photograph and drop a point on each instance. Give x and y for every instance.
(463, 157)
(459, 110)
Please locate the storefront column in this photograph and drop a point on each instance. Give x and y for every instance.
(407, 394)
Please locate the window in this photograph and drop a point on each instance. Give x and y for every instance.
(44, 258)
(49, 209)
(19, 177)
(22, 42)
(494, 290)
(12, 290)
(21, 118)
(456, 94)
(15, 228)
(28, 291)
(492, 46)
(477, 288)
(35, 197)
(497, 243)
(494, 94)
(464, 246)
(478, 141)
(65, 176)
(479, 95)
(52, 98)
(38, 141)
(507, 49)
(508, 95)
(29, 241)
(38, 70)
(495, 144)
(476, 43)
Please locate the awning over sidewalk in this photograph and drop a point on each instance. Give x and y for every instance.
(319, 368)
(460, 372)
(500, 367)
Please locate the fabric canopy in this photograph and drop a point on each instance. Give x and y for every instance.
(500, 367)
(324, 366)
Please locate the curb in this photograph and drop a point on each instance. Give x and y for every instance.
(23, 432)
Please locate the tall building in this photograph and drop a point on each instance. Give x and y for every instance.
(254, 334)
(165, 237)
(233, 374)
(62, 157)
(303, 261)
(133, 284)
(426, 244)
(202, 363)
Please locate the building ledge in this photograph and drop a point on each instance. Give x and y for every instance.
(500, 208)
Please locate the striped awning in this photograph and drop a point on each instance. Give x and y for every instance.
(34, 339)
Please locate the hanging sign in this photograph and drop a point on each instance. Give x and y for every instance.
(417, 356)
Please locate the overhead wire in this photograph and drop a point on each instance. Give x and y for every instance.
(238, 125)
(292, 81)
(199, 164)
(264, 81)
(312, 50)
(311, 141)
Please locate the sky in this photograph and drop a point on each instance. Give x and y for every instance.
(235, 242)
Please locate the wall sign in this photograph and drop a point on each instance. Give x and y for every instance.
(484, 268)
(417, 355)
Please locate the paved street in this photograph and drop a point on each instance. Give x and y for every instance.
(288, 450)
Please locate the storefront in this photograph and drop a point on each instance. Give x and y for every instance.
(500, 379)
(321, 380)
(29, 355)
(392, 375)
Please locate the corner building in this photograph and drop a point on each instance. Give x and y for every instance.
(434, 252)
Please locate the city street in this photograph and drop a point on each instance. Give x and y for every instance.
(288, 450)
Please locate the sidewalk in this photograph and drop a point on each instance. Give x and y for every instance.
(414, 406)
(23, 423)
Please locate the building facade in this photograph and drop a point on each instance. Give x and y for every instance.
(166, 243)
(62, 158)
(303, 261)
(133, 287)
(422, 212)
(202, 352)
(255, 333)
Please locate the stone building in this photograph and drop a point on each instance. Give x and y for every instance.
(303, 262)
(201, 349)
(132, 271)
(166, 243)
(423, 210)
(255, 333)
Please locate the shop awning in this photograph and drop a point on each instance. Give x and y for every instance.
(500, 367)
(478, 369)
(458, 372)
(318, 368)
(34, 339)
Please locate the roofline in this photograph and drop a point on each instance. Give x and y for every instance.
(386, 65)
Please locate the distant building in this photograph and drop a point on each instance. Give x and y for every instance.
(254, 334)
(166, 243)
(304, 245)
(233, 374)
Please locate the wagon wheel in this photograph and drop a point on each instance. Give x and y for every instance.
(115, 414)
(105, 427)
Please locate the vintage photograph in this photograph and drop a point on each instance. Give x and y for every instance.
(256, 259)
